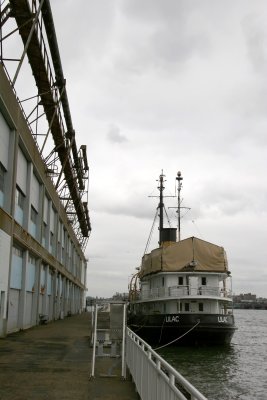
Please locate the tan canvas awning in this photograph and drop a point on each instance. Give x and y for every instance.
(188, 254)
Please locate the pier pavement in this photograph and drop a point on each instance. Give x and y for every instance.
(53, 361)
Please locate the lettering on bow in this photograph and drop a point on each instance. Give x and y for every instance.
(172, 318)
(223, 320)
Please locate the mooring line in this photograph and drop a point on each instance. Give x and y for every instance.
(175, 340)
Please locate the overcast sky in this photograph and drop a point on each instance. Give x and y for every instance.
(170, 85)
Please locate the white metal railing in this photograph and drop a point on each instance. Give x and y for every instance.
(154, 378)
(181, 291)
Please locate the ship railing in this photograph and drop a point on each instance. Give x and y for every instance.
(154, 377)
(214, 291)
(185, 290)
(164, 292)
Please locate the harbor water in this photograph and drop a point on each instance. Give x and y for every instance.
(235, 372)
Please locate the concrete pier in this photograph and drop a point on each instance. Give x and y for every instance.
(53, 361)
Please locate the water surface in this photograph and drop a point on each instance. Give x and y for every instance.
(235, 372)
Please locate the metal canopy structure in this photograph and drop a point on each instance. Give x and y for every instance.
(47, 112)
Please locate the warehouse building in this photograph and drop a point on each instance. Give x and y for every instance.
(44, 218)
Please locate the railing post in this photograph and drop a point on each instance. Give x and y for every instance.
(123, 364)
(94, 343)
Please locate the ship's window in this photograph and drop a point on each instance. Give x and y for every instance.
(186, 306)
(200, 307)
(163, 281)
(180, 280)
(203, 281)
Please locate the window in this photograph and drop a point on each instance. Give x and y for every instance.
(203, 281)
(19, 205)
(2, 177)
(58, 251)
(17, 252)
(2, 184)
(180, 280)
(34, 215)
(33, 222)
(20, 198)
(44, 231)
(200, 306)
(16, 268)
(31, 273)
(32, 259)
(186, 306)
(51, 239)
(163, 281)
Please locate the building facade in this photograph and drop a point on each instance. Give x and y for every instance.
(42, 263)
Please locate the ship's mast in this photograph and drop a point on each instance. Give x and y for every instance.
(161, 205)
(179, 179)
(167, 234)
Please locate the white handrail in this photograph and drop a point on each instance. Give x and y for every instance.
(155, 378)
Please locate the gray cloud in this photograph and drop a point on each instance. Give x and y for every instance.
(180, 86)
(256, 41)
(114, 135)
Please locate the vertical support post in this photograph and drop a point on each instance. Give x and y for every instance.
(123, 364)
(92, 323)
(94, 343)
(161, 206)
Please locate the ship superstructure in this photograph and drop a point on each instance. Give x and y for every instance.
(182, 291)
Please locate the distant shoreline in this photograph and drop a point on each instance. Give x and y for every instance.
(250, 306)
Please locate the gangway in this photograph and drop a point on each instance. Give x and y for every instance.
(108, 334)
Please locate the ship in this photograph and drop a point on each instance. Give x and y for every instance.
(182, 292)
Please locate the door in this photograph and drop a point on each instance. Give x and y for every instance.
(13, 311)
(193, 285)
